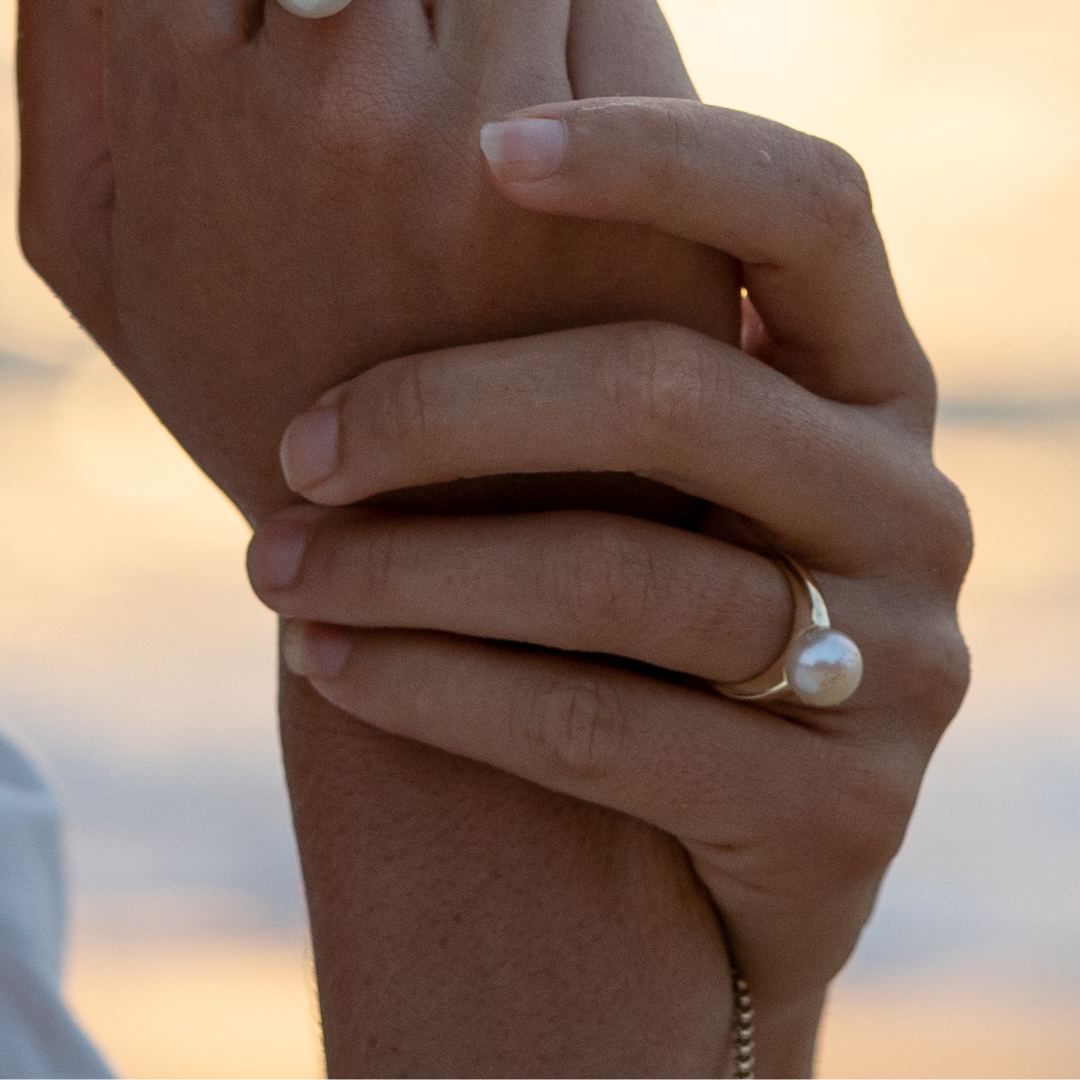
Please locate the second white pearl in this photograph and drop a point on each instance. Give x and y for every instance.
(314, 9)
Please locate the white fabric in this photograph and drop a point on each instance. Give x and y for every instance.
(38, 1037)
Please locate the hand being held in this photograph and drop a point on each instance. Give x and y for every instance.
(246, 208)
(815, 441)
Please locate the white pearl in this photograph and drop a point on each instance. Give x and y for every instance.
(314, 9)
(823, 667)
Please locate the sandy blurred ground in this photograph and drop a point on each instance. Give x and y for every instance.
(137, 664)
(213, 1007)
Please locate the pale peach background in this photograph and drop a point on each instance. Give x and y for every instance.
(136, 662)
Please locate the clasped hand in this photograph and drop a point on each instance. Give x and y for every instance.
(570, 647)
(245, 208)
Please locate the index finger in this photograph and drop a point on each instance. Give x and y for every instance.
(794, 209)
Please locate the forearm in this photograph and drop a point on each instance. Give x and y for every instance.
(468, 923)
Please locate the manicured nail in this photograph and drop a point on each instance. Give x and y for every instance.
(524, 150)
(315, 650)
(309, 448)
(276, 553)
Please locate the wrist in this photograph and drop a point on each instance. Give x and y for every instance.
(553, 937)
(785, 1034)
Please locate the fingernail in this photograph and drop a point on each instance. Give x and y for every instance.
(525, 149)
(309, 448)
(276, 553)
(332, 396)
(315, 650)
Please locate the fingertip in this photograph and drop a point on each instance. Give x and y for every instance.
(575, 158)
(309, 448)
(276, 553)
(524, 149)
(315, 650)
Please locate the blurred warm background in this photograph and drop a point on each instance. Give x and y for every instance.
(135, 663)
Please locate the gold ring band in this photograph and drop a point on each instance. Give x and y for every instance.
(820, 666)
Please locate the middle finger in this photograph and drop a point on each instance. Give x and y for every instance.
(832, 482)
(579, 581)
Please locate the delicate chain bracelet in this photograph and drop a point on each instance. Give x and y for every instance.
(743, 1028)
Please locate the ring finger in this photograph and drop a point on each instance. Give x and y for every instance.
(579, 581)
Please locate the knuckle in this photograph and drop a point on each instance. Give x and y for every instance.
(923, 524)
(954, 546)
(673, 133)
(919, 661)
(838, 194)
(666, 381)
(685, 139)
(575, 722)
(937, 664)
(409, 411)
(609, 579)
(853, 826)
(373, 562)
(951, 674)
(870, 823)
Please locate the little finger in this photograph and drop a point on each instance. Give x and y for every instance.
(685, 760)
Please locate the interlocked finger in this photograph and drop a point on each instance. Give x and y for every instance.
(508, 41)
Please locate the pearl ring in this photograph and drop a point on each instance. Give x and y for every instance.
(819, 665)
(314, 9)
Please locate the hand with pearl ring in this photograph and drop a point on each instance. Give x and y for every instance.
(820, 666)
(815, 440)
